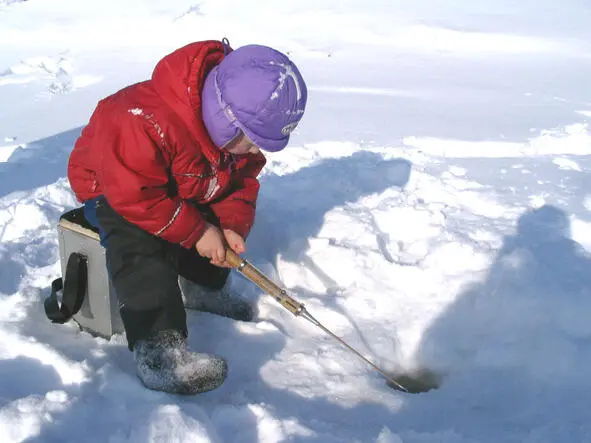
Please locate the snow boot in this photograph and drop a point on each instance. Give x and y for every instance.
(222, 302)
(164, 363)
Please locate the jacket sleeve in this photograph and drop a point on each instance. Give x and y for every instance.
(136, 183)
(236, 211)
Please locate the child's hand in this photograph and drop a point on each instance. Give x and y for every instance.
(234, 241)
(212, 244)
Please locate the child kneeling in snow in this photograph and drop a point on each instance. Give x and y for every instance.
(167, 171)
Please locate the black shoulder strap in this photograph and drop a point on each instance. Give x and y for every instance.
(74, 286)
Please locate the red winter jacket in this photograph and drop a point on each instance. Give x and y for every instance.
(147, 151)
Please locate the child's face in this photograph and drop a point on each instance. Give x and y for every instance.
(241, 145)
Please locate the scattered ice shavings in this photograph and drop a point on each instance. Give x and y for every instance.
(465, 259)
(410, 254)
(566, 164)
(484, 236)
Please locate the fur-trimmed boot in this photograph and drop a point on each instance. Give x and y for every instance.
(164, 363)
(222, 302)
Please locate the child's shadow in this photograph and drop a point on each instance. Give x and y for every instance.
(519, 342)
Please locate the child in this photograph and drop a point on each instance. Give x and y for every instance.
(167, 171)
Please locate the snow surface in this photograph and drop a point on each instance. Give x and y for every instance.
(434, 209)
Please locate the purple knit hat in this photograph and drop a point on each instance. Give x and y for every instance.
(256, 90)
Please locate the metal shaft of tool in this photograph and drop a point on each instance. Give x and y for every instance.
(305, 314)
(295, 307)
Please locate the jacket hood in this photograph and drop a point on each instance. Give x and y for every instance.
(178, 79)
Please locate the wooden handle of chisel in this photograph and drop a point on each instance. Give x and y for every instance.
(263, 282)
(234, 259)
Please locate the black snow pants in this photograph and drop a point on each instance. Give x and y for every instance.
(144, 271)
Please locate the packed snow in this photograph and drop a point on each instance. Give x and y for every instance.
(433, 209)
